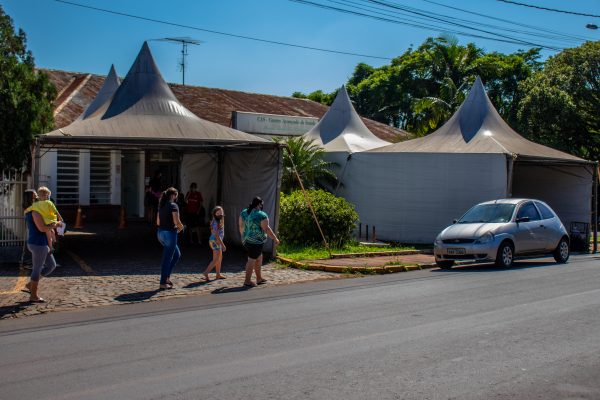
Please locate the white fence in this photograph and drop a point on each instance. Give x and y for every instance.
(12, 223)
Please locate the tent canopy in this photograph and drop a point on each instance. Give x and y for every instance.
(478, 128)
(342, 129)
(98, 107)
(143, 109)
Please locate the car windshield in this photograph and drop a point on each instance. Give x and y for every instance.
(488, 213)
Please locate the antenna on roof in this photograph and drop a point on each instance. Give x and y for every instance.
(184, 44)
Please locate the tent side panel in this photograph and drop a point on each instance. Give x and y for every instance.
(246, 174)
(411, 197)
(567, 189)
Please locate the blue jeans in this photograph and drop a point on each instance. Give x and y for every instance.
(171, 253)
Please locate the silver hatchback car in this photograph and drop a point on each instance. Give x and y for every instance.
(501, 230)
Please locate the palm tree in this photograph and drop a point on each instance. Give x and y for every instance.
(307, 158)
(431, 112)
(451, 69)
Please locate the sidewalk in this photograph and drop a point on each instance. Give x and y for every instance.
(102, 266)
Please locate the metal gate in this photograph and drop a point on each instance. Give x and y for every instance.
(12, 223)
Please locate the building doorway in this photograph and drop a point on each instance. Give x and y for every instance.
(131, 184)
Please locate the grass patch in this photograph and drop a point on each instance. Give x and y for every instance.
(297, 253)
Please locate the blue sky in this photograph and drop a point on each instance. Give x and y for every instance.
(71, 38)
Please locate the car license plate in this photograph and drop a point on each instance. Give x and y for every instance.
(456, 252)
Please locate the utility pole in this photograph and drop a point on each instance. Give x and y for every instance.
(184, 45)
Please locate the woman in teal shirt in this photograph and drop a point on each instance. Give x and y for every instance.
(254, 229)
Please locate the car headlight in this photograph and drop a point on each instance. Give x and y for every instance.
(486, 238)
(438, 240)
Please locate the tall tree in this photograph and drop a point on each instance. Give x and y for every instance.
(26, 97)
(559, 105)
(420, 89)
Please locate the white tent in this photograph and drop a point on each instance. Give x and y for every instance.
(411, 190)
(341, 132)
(143, 114)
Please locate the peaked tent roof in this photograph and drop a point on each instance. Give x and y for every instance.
(341, 128)
(476, 127)
(98, 107)
(144, 107)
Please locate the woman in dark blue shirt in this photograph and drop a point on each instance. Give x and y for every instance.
(43, 262)
(169, 225)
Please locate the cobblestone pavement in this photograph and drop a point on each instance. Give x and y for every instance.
(111, 266)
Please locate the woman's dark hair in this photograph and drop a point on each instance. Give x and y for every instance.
(166, 196)
(28, 198)
(255, 203)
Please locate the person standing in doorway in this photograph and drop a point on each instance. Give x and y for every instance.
(217, 233)
(43, 262)
(255, 229)
(169, 225)
(193, 200)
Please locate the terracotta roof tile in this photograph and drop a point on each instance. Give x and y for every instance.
(214, 105)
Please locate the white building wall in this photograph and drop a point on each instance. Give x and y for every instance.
(48, 170)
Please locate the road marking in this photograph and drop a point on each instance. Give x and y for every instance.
(82, 264)
(20, 284)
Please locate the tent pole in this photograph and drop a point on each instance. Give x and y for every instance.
(509, 173)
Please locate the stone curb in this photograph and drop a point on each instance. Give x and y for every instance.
(347, 270)
(383, 253)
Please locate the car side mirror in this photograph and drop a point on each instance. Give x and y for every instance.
(522, 219)
(454, 221)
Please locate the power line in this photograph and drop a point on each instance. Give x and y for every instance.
(550, 9)
(495, 36)
(551, 36)
(536, 28)
(221, 33)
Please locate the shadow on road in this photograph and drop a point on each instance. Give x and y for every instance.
(13, 309)
(137, 296)
(489, 267)
(231, 289)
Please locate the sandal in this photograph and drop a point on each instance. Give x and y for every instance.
(221, 277)
(262, 282)
(38, 300)
(249, 285)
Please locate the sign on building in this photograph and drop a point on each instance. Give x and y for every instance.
(272, 124)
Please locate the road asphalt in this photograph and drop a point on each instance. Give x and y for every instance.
(474, 332)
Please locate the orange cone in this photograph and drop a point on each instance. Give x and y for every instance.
(78, 219)
(122, 220)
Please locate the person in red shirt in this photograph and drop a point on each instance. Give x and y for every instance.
(194, 212)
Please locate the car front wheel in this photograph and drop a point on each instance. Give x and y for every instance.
(506, 255)
(445, 264)
(561, 253)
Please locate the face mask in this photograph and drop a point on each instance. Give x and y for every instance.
(218, 217)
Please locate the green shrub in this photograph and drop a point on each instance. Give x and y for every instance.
(336, 216)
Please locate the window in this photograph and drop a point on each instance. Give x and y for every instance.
(528, 210)
(67, 177)
(546, 212)
(100, 177)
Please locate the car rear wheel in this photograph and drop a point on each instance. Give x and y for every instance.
(506, 255)
(561, 253)
(445, 264)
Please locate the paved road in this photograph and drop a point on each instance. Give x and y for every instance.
(532, 332)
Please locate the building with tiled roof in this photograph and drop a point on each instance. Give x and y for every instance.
(77, 90)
